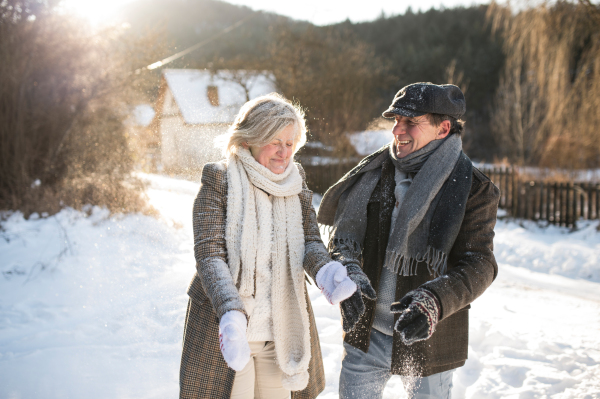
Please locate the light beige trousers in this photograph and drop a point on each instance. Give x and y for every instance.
(261, 378)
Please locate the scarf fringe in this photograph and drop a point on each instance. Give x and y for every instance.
(436, 260)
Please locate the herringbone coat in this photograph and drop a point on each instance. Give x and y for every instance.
(203, 372)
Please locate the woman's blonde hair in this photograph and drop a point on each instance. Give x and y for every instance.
(260, 120)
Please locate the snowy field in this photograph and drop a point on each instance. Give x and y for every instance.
(92, 306)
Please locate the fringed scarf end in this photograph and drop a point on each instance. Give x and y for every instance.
(436, 260)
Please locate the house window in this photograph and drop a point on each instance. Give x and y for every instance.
(213, 95)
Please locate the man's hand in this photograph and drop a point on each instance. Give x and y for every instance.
(419, 313)
(354, 307)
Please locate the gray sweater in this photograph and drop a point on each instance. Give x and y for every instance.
(384, 318)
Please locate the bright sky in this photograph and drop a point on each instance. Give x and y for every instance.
(324, 12)
(97, 11)
(320, 12)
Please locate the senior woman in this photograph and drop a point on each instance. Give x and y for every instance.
(250, 331)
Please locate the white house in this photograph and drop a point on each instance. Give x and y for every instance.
(195, 106)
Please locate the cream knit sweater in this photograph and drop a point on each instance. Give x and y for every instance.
(259, 307)
(384, 318)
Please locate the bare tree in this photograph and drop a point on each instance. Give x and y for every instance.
(63, 93)
(245, 78)
(456, 77)
(546, 105)
(334, 76)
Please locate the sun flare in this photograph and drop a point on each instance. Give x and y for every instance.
(96, 11)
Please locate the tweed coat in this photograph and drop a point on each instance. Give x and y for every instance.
(471, 264)
(204, 373)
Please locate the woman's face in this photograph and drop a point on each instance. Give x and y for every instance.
(276, 155)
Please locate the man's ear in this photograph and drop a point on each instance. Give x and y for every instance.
(445, 127)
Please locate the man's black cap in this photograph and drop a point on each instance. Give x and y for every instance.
(427, 98)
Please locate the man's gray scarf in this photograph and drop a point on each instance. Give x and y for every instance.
(408, 244)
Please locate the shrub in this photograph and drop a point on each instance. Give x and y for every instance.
(63, 96)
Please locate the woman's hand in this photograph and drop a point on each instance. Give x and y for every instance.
(232, 339)
(334, 282)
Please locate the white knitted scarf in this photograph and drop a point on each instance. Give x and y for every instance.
(252, 221)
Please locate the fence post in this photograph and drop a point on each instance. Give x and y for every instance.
(506, 177)
(540, 204)
(574, 216)
(514, 189)
(582, 203)
(594, 192)
(597, 201)
(527, 188)
(561, 213)
(568, 205)
(553, 189)
(588, 190)
(547, 202)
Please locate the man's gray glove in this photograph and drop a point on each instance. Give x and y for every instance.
(354, 307)
(419, 313)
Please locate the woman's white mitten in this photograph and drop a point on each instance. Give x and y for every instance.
(232, 339)
(334, 282)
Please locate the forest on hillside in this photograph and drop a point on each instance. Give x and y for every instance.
(531, 76)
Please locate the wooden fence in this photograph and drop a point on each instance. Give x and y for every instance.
(561, 203)
(319, 177)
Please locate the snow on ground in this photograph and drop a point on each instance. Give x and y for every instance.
(93, 305)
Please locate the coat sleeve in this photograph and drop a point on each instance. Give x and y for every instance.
(315, 254)
(472, 266)
(209, 215)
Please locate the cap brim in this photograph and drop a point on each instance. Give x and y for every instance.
(391, 112)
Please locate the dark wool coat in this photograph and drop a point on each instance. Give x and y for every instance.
(204, 373)
(471, 263)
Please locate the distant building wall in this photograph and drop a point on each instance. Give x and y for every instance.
(189, 146)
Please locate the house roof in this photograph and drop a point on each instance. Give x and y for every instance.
(190, 88)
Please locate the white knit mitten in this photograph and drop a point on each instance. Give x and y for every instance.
(334, 282)
(232, 339)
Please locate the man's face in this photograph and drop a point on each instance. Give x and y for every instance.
(412, 134)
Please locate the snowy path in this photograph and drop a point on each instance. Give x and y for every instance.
(93, 306)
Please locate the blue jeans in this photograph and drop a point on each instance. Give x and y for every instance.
(364, 375)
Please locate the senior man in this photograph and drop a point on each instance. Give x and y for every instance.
(418, 219)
